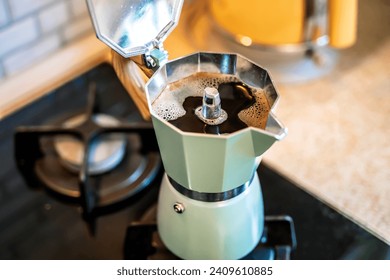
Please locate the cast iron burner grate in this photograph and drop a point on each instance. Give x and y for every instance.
(142, 241)
(97, 191)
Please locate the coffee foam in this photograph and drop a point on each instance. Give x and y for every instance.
(257, 114)
(169, 104)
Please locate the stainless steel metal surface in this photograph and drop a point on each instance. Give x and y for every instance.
(211, 112)
(315, 32)
(221, 63)
(178, 207)
(134, 27)
(210, 197)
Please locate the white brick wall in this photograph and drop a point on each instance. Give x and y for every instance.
(54, 17)
(18, 35)
(19, 60)
(4, 14)
(33, 29)
(20, 8)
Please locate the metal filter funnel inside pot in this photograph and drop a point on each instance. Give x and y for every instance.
(213, 118)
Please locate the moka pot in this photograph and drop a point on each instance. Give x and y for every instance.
(210, 204)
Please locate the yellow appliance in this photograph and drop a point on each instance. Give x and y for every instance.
(297, 40)
(280, 22)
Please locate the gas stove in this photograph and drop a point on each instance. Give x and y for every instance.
(61, 203)
(91, 158)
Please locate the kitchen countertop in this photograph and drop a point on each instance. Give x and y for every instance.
(337, 148)
(338, 145)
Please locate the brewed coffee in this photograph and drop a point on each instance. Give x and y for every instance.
(245, 105)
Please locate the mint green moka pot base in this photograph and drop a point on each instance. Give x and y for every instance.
(211, 230)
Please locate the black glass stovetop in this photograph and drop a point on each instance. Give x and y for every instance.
(36, 225)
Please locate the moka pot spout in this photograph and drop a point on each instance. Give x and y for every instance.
(262, 140)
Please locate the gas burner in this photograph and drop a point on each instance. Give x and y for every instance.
(91, 159)
(131, 173)
(106, 152)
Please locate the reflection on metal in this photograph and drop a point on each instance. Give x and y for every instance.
(134, 27)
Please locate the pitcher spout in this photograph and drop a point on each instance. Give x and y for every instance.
(263, 139)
